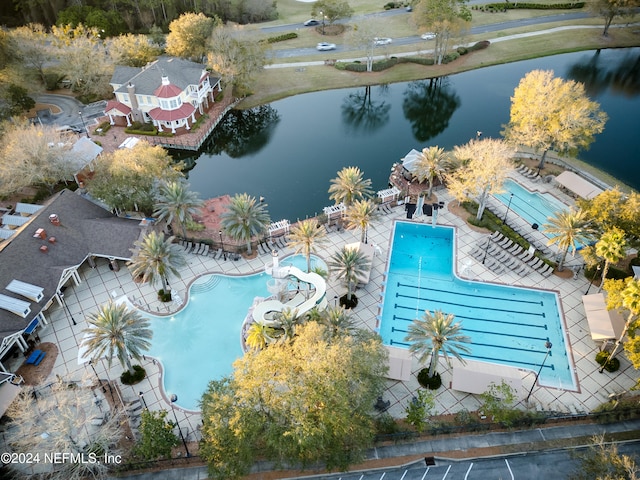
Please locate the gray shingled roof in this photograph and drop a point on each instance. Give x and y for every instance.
(85, 228)
(180, 72)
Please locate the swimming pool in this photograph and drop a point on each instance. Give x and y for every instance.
(201, 341)
(507, 325)
(534, 207)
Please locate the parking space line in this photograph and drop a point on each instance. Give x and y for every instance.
(468, 471)
(425, 473)
(383, 474)
(404, 474)
(509, 467)
(447, 472)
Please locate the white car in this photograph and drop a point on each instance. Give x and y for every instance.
(311, 22)
(382, 41)
(322, 46)
(428, 36)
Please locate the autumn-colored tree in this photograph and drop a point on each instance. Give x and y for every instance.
(484, 165)
(32, 45)
(128, 179)
(602, 461)
(548, 113)
(133, 50)
(611, 247)
(188, 35)
(615, 209)
(443, 17)
(297, 401)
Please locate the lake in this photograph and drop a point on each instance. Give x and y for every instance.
(289, 150)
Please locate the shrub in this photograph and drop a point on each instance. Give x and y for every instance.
(103, 127)
(139, 128)
(419, 409)
(450, 57)
(498, 403)
(346, 303)
(384, 64)
(462, 50)
(164, 296)
(282, 38)
(385, 424)
(481, 45)
(355, 67)
(432, 383)
(131, 379)
(612, 365)
(51, 80)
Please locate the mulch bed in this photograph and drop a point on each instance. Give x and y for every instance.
(36, 374)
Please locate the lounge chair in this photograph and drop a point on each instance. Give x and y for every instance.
(217, 254)
(515, 249)
(40, 358)
(205, 250)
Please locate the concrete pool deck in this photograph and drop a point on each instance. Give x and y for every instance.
(101, 284)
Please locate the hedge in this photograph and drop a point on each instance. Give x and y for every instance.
(282, 38)
(503, 7)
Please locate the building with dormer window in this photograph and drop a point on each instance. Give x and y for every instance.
(170, 93)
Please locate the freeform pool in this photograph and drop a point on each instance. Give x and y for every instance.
(507, 325)
(200, 342)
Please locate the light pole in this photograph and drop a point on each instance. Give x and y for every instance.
(84, 125)
(486, 249)
(595, 273)
(104, 390)
(66, 307)
(141, 395)
(548, 346)
(321, 13)
(222, 245)
(173, 399)
(504, 220)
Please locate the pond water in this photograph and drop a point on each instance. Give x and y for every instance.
(288, 151)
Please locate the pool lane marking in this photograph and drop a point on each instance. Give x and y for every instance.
(480, 319)
(487, 332)
(537, 302)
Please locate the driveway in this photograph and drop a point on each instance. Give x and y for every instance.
(70, 111)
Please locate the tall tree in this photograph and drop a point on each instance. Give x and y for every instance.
(245, 219)
(116, 331)
(331, 10)
(176, 201)
(155, 258)
(551, 113)
(156, 436)
(133, 50)
(610, 9)
(432, 164)
(32, 45)
(434, 334)
(348, 264)
(568, 229)
(310, 410)
(237, 58)
(127, 179)
(62, 411)
(484, 165)
(362, 36)
(360, 214)
(349, 186)
(602, 461)
(613, 208)
(34, 155)
(443, 17)
(306, 237)
(611, 247)
(188, 35)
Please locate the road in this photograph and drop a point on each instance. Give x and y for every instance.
(414, 39)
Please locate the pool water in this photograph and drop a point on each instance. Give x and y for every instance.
(534, 207)
(200, 342)
(507, 325)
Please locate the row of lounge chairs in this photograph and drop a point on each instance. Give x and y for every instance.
(195, 248)
(505, 253)
(385, 208)
(527, 172)
(269, 245)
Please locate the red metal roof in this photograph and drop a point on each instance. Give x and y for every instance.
(118, 106)
(169, 115)
(167, 91)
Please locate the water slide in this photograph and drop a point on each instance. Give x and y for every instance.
(261, 310)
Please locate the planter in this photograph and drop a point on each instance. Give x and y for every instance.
(164, 296)
(131, 379)
(349, 304)
(432, 383)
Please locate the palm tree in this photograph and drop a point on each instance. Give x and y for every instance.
(349, 186)
(360, 214)
(259, 336)
(175, 200)
(631, 301)
(611, 247)
(245, 218)
(117, 331)
(156, 256)
(338, 321)
(305, 237)
(431, 164)
(569, 229)
(434, 334)
(287, 320)
(349, 264)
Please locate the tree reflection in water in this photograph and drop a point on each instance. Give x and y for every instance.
(362, 114)
(428, 105)
(620, 75)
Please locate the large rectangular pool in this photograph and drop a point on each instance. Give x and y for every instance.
(507, 325)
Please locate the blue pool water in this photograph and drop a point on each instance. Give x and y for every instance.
(534, 207)
(507, 325)
(201, 341)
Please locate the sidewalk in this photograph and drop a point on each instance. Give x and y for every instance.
(442, 448)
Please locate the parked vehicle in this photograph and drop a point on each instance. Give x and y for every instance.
(382, 41)
(322, 46)
(428, 36)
